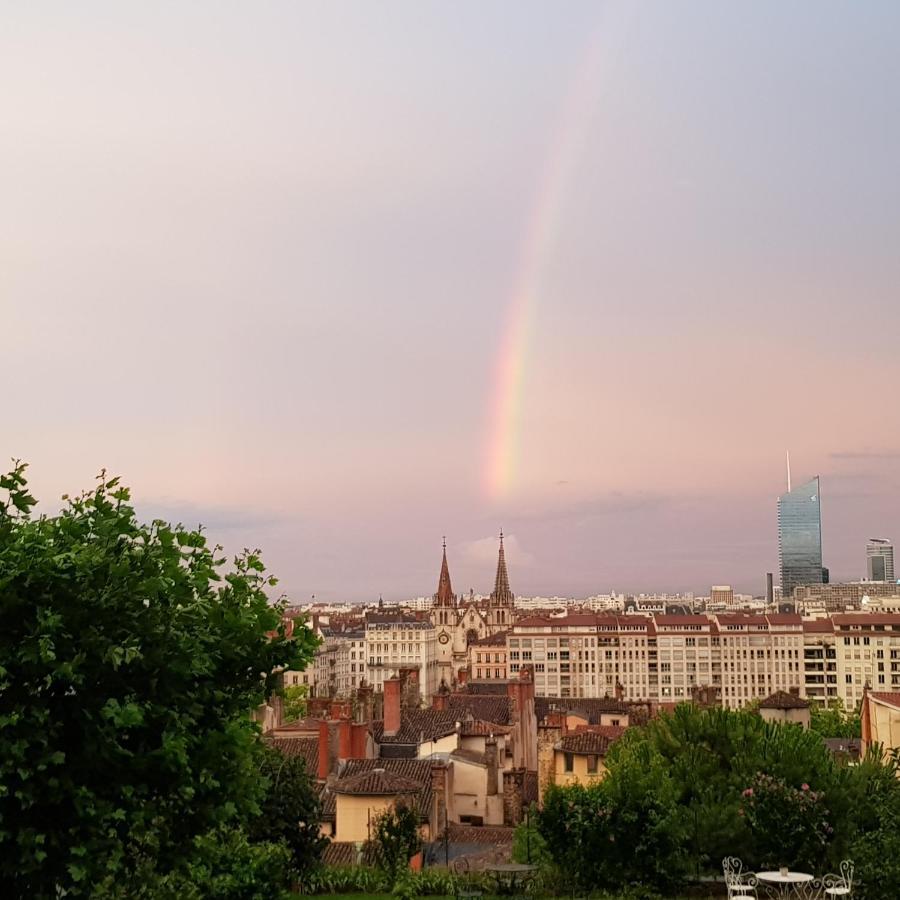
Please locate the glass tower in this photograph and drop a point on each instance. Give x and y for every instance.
(800, 537)
(880, 559)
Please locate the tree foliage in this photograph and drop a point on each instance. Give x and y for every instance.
(130, 658)
(696, 785)
(395, 839)
(834, 721)
(290, 811)
(296, 701)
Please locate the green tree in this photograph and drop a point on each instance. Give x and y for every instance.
(130, 658)
(834, 721)
(395, 839)
(295, 698)
(290, 812)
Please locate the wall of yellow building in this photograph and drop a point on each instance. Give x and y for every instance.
(353, 815)
(579, 773)
(885, 724)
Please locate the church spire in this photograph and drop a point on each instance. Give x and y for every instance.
(444, 595)
(502, 595)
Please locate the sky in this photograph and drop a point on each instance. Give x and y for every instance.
(337, 279)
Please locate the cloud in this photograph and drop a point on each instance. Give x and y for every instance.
(613, 503)
(213, 518)
(483, 551)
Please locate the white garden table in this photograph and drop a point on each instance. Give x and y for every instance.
(788, 884)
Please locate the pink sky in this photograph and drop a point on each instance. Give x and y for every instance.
(263, 262)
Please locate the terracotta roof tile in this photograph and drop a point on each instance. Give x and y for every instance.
(340, 853)
(417, 725)
(308, 748)
(592, 707)
(892, 698)
(783, 700)
(588, 742)
(491, 708)
(480, 728)
(376, 782)
(418, 770)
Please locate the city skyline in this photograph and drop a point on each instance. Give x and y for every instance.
(302, 274)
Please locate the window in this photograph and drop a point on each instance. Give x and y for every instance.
(592, 764)
(569, 762)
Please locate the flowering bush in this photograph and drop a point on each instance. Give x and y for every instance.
(789, 826)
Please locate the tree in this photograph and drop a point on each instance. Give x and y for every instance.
(295, 699)
(395, 839)
(834, 721)
(290, 811)
(130, 657)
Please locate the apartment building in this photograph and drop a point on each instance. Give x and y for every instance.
(399, 641)
(730, 658)
(487, 658)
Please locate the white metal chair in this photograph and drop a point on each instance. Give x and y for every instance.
(840, 885)
(741, 885)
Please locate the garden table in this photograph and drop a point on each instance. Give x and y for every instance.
(784, 884)
(507, 873)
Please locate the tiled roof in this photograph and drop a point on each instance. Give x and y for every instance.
(472, 834)
(673, 620)
(472, 756)
(307, 724)
(417, 725)
(486, 687)
(376, 782)
(492, 640)
(850, 746)
(587, 742)
(818, 626)
(480, 728)
(308, 748)
(783, 700)
(418, 770)
(784, 619)
(892, 698)
(843, 620)
(491, 708)
(340, 853)
(590, 706)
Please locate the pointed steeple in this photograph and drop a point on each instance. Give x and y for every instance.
(444, 595)
(502, 595)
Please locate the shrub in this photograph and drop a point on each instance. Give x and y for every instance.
(395, 839)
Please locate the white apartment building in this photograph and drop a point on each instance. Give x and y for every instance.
(398, 640)
(731, 658)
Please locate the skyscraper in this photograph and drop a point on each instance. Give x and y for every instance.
(880, 560)
(800, 537)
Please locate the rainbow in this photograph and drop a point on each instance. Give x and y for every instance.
(507, 396)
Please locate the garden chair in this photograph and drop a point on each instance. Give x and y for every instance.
(840, 885)
(740, 885)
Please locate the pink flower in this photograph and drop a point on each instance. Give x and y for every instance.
(804, 786)
(748, 792)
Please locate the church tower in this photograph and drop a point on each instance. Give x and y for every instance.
(444, 619)
(500, 605)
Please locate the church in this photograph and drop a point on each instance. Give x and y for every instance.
(459, 621)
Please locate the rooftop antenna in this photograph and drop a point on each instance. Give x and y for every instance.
(788, 455)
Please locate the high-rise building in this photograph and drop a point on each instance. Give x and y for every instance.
(880, 559)
(800, 537)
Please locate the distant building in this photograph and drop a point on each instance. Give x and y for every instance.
(879, 560)
(800, 537)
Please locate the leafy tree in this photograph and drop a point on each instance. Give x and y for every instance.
(290, 811)
(834, 721)
(295, 699)
(395, 839)
(130, 658)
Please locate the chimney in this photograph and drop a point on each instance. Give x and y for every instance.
(439, 796)
(462, 676)
(392, 689)
(490, 758)
(439, 701)
(359, 741)
(364, 702)
(345, 739)
(324, 767)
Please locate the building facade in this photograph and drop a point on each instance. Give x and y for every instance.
(880, 560)
(399, 641)
(800, 536)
